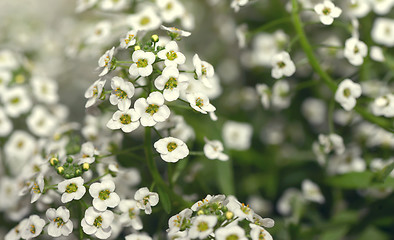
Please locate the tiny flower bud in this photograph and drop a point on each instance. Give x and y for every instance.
(78, 172)
(60, 170)
(155, 38)
(54, 161)
(85, 166)
(70, 159)
(229, 215)
(200, 212)
(137, 48)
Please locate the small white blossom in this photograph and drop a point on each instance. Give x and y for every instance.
(59, 222)
(122, 93)
(265, 94)
(45, 89)
(16, 101)
(230, 232)
(37, 188)
(146, 199)
(83, 5)
(311, 191)
(332, 142)
(97, 223)
(327, 11)
(5, 124)
(113, 5)
(100, 33)
(176, 31)
(171, 149)
(179, 220)
(213, 149)
(382, 7)
(33, 227)
(347, 93)
(236, 4)
(71, 189)
(88, 152)
(146, 19)
(204, 71)
(171, 55)
(41, 122)
(152, 109)
(237, 135)
(170, 10)
(93, 93)
(259, 233)
(376, 54)
(282, 65)
(384, 106)
(383, 31)
(130, 214)
(200, 102)
(142, 65)
(355, 51)
(127, 120)
(171, 82)
(105, 61)
(129, 39)
(103, 195)
(202, 226)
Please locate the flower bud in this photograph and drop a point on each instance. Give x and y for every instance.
(54, 161)
(229, 215)
(155, 38)
(137, 48)
(60, 170)
(85, 166)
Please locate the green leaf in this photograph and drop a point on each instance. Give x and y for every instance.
(373, 233)
(382, 175)
(164, 199)
(225, 177)
(336, 233)
(352, 180)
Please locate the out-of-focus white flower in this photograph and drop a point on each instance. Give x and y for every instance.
(332, 142)
(327, 11)
(97, 223)
(266, 45)
(59, 222)
(32, 228)
(138, 236)
(236, 4)
(350, 161)
(200, 102)
(311, 191)
(289, 197)
(355, 51)
(6, 125)
(384, 106)
(378, 164)
(142, 65)
(281, 94)
(93, 93)
(100, 33)
(383, 31)
(146, 199)
(16, 101)
(113, 5)
(5, 78)
(358, 8)
(105, 61)
(171, 149)
(282, 65)
(19, 147)
(202, 226)
(347, 93)
(8, 60)
(103, 195)
(83, 5)
(265, 94)
(314, 110)
(171, 82)
(122, 93)
(45, 89)
(376, 53)
(236, 135)
(170, 10)
(382, 7)
(41, 122)
(152, 109)
(213, 149)
(71, 189)
(146, 19)
(130, 214)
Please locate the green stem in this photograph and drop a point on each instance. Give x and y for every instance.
(268, 26)
(331, 108)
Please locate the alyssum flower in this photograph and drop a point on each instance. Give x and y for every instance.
(97, 223)
(127, 120)
(171, 149)
(121, 93)
(105, 61)
(282, 65)
(171, 82)
(327, 11)
(71, 189)
(347, 93)
(152, 109)
(59, 222)
(171, 55)
(146, 199)
(103, 195)
(142, 65)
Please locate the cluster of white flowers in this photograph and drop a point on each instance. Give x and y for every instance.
(220, 217)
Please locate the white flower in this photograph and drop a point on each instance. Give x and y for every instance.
(32, 228)
(383, 31)
(130, 214)
(265, 94)
(176, 31)
(289, 198)
(8, 60)
(97, 223)
(358, 8)
(146, 19)
(100, 33)
(103, 195)
(384, 106)
(170, 10)
(138, 236)
(314, 110)
(204, 71)
(202, 226)
(171, 82)
(237, 135)
(382, 7)
(142, 65)
(281, 94)
(71, 189)
(122, 93)
(15, 233)
(41, 122)
(113, 5)
(16, 101)
(171, 149)
(350, 161)
(5, 124)
(213, 149)
(88, 152)
(152, 109)
(146, 199)
(236, 4)
(105, 61)
(37, 188)
(200, 102)
(327, 11)
(311, 191)
(176, 222)
(45, 89)
(282, 65)
(208, 200)
(266, 45)
(347, 93)
(171, 55)
(5, 78)
(376, 54)
(93, 93)
(332, 142)
(59, 222)
(129, 39)
(83, 5)
(127, 120)
(259, 233)
(355, 51)
(239, 209)
(230, 232)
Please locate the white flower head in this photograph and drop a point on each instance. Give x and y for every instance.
(16, 101)
(170, 10)
(355, 51)
(45, 89)
(265, 94)
(152, 109)
(239, 209)
(105, 61)
(59, 222)
(347, 93)
(383, 31)
(113, 5)
(97, 223)
(200, 102)
(71, 189)
(236, 4)
(311, 191)
(6, 125)
(122, 93)
(100, 33)
(138, 236)
(93, 93)
(142, 65)
(146, 199)
(237, 135)
(384, 106)
(204, 71)
(202, 226)
(332, 142)
(327, 11)
(37, 188)
(176, 222)
(171, 55)
(130, 214)
(376, 54)
(382, 7)
(146, 19)
(18, 149)
(213, 149)
(259, 233)
(171, 149)
(171, 82)
(88, 152)
(41, 122)
(129, 40)
(83, 5)
(127, 120)
(282, 65)
(230, 232)
(33, 227)
(178, 32)
(103, 195)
